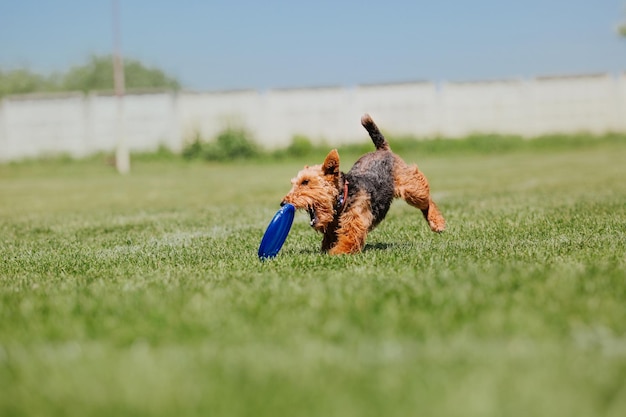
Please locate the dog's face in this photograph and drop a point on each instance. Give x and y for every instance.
(315, 189)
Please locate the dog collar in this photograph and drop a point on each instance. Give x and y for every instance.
(343, 198)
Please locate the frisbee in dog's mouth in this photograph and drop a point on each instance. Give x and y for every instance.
(312, 215)
(276, 232)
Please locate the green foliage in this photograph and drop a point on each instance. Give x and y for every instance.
(300, 146)
(483, 144)
(143, 295)
(230, 145)
(23, 81)
(162, 153)
(95, 75)
(491, 143)
(193, 148)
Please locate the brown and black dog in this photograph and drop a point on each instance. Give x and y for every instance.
(345, 207)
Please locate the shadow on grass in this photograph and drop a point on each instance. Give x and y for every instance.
(378, 246)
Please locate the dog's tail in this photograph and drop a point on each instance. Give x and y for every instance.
(379, 140)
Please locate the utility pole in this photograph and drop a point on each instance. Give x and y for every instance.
(122, 157)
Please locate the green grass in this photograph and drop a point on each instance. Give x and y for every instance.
(143, 295)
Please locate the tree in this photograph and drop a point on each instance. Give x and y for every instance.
(23, 81)
(95, 75)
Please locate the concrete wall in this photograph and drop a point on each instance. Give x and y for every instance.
(78, 125)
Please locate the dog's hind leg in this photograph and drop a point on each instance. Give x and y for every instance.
(412, 186)
(434, 217)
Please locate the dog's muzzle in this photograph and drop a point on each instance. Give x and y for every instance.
(310, 210)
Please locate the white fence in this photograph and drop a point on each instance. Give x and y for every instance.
(78, 125)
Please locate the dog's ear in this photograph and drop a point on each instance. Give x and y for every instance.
(331, 164)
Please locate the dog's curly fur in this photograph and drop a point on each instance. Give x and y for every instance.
(345, 207)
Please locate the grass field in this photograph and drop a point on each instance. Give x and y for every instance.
(143, 295)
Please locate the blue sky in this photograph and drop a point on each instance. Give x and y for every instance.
(216, 45)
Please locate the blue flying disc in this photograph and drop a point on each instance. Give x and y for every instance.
(277, 232)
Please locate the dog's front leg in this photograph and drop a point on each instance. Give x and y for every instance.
(330, 239)
(352, 232)
(349, 242)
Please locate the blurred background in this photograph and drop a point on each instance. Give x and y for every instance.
(282, 70)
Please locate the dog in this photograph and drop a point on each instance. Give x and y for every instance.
(345, 207)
